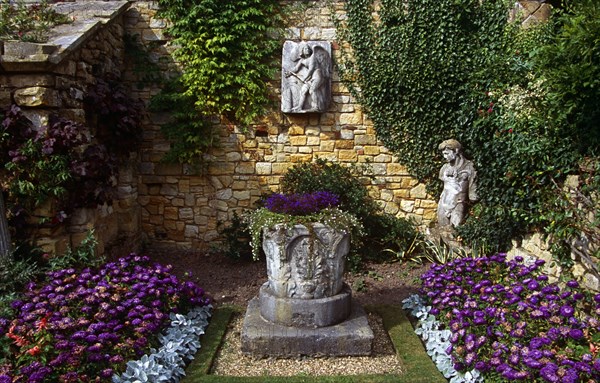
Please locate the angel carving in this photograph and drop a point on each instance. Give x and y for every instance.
(306, 83)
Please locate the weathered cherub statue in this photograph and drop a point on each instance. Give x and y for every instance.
(460, 187)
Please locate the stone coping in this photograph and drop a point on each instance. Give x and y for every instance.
(88, 16)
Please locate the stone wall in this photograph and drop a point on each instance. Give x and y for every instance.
(177, 205)
(52, 78)
(185, 208)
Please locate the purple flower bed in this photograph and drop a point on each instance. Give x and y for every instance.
(510, 323)
(301, 204)
(83, 326)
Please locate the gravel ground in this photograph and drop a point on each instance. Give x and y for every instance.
(231, 362)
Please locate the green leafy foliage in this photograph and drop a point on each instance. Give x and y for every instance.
(189, 131)
(227, 49)
(523, 102)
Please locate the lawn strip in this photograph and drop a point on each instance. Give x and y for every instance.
(418, 365)
(210, 342)
(409, 349)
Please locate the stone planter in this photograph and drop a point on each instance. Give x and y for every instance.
(305, 262)
(305, 267)
(305, 308)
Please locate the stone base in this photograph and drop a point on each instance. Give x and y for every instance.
(261, 338)
(295, 312)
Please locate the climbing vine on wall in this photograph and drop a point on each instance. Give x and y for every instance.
(428, 70)
(227, 49)
(411, 68)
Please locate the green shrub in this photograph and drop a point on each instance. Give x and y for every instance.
(381, 230)
(237, 239)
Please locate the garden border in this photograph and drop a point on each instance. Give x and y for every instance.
(409, 351)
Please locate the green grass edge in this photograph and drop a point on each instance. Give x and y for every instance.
(409, 350)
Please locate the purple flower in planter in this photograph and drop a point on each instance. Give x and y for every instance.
(301, 204)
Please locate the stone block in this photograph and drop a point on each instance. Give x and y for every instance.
(351, 118)
(296, 130)
(298, 140)
(344, 144)
(418, 191)
(313, 141)
(347, 134)
(245, 168)
(261, 338)
(371, 150)
(365, 139)
(347, 155)
(37, 96)
(186, 214)
(296, 158)
(327, 146)
(395, 169)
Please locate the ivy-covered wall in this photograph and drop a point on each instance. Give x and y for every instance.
(187, 206)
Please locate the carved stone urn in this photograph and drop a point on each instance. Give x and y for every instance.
(304, 307)
(305, 268)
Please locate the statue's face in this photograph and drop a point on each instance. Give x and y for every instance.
(449, 154)
(306, 50)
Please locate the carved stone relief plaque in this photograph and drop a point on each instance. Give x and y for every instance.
(306, 77)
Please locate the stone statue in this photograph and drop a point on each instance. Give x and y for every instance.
(460, 187)
(306, 80)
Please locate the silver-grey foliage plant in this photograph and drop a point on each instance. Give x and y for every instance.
(437, 341)
(179, 344)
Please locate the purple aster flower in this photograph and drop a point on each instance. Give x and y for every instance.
(533, 363)
(570, 376)
(533, 285)
(573, 284)
(567, 311)
(554, 333)
(5, 379)
(549, 372)
(576, 333)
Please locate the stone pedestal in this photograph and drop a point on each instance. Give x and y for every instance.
(261, 338)
(305, 308)
(320, 312)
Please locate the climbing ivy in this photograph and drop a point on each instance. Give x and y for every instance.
(411, 67)
(227, 50)
(428, 70)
